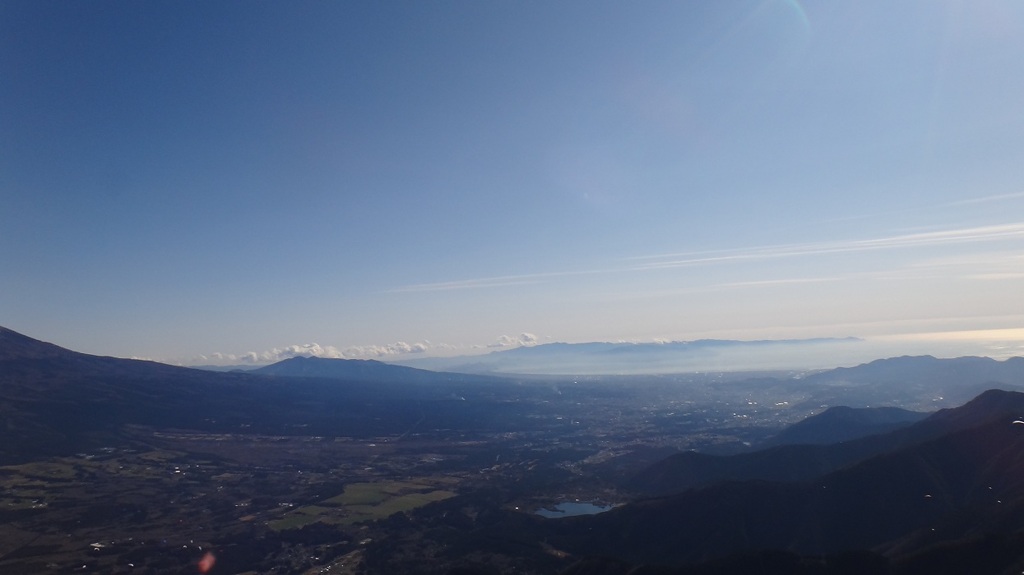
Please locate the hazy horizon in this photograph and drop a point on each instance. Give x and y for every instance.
(673, 357)
(201, 182)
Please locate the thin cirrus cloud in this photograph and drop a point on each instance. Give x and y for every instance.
(778, 282)
(978, 234)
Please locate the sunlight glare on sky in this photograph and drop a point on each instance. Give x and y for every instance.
(200, 181)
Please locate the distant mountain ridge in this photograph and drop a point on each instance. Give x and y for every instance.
(950, 381)
(626, 357)
(898, 369)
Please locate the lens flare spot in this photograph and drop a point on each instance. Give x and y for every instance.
(207, 562)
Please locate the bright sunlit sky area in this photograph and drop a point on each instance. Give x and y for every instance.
(195, 181)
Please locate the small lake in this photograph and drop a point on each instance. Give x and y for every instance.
(572, 508)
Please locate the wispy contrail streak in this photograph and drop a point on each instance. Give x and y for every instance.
(944, 237)
(676, 260)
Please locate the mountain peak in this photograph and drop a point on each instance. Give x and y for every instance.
(990, 404)
(369, 369)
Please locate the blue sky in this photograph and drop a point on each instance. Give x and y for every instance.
(179, 179)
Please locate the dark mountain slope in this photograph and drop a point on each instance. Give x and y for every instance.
(958, 484)
(14, 345)
(804, 462)
(842, 423)
(55, 401)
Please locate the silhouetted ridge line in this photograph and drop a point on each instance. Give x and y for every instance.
(14, 345)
